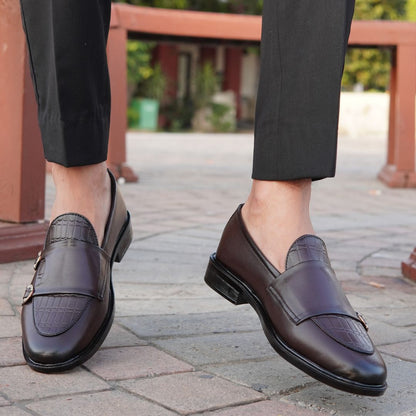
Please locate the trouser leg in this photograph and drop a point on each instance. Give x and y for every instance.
(302, 60)
(67, 46)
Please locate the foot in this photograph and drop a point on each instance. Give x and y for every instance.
(68, 308)
(304, 312)
(84, 190)
(276, 214)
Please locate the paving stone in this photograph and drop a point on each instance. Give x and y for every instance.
(159, 267)
(347, 275)
(398, 317)
(12, 411)
(171, 306)
(381, 262)
(161, 291)
(379, 271)
(10, 326)
(192, 392)
(134, 362)
(177, 240)
(22, 383)
(108, 403)
(398, 398)
(4, 290)
(265, 408)
(403, 350)
(382, 333)
(6, 272)
(5, 308)
(121, 337)
(376, 298)
(4, 402)
(219, 348)
(239, 319)
(11, 351)
(274, 376)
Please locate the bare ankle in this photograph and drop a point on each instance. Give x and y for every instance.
(84, 190)
(283, 198)
(276, 214)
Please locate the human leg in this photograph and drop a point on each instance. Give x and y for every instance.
(267, 255)
(68, 308)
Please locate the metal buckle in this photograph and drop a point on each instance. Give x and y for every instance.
(28, 293)
(38, 260)
(362, 320)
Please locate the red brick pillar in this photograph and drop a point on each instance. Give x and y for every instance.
(232, 74)
(400, 169)
(117, 66)
(22, 166)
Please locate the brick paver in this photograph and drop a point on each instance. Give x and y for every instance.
(267, 408)
(134, 362)
(192, 392)
(178, 348)
(107, 403)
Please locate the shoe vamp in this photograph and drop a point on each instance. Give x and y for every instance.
(54, 315)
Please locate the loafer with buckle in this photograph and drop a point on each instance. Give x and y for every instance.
(68, 308)
(304, 312)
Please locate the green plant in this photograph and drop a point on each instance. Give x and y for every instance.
(139, 55)
(218, 118)
(179, 114)
(154, 86)
(206, 84)
(133, 116)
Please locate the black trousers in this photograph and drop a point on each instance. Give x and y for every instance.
(302, 57)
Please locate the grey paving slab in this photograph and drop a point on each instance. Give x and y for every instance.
(4, 402)
(265, 408)
(125, 291)
(398, 398)
(156, 326)
(22, 383)
(11, 351)
(179, 209)
(134, 307)
(5, 307)
(399, 317)
(382, 333)
(192, 392)
(403, 350)
(121, 337)
(218, 348)
(108, 403)
(12, 411)
(134, 362)
(273, 376)
(9, 326)
(6, 271)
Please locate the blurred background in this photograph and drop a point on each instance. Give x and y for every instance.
(189, 86)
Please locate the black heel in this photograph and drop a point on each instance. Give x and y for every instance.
(217, 280)
(124, 240)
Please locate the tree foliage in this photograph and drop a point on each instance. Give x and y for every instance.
(371, 67)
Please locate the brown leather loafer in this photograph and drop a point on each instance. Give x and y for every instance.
(304, 312)
(68, 308)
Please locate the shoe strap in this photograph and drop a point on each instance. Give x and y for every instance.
(71, 267)
(311, 289)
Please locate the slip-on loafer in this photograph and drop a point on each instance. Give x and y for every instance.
(68, 308)
(304, 313)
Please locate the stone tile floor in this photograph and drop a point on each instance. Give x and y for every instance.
(177, 348)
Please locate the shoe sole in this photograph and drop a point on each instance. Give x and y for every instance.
(228, 285)
(123, 243)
